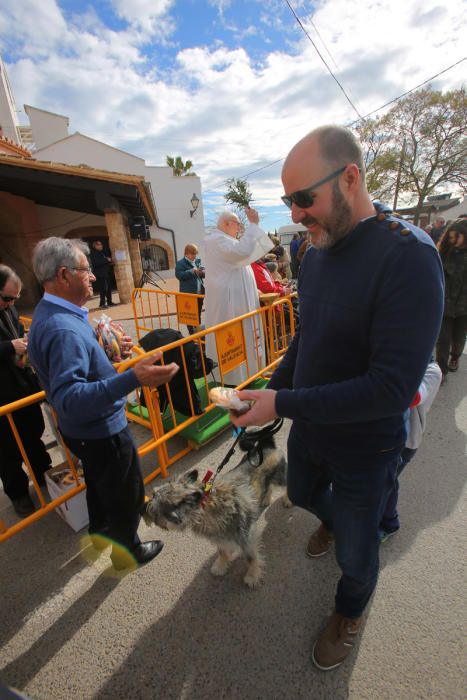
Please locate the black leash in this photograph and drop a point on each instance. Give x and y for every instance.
(255, 436)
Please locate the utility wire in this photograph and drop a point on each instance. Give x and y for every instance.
(386, 104)
(323, 59)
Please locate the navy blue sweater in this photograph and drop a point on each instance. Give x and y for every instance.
(370, 312)
(77, 376)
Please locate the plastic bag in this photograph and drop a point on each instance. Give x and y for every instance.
(110, 337)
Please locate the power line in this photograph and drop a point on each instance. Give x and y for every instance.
(323, 59)
(386, 104)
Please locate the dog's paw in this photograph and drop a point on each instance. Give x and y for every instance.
(220, 566)
(286, 502)
(254, 573)
(253, 579)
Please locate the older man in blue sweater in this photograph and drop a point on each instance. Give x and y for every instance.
(89, 396)
(371, 300)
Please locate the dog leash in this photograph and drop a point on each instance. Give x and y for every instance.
(210, 476)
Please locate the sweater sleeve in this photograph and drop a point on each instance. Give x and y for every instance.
(6, 349)
(70, 387)
(406, 317)
(183, 274)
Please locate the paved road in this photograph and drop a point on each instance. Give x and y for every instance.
(170, 630)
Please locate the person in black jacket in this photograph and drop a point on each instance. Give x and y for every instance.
(370, 294)
(190, 274)
(16, 382)
(101, 264)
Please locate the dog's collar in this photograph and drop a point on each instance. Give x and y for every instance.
(207, 481)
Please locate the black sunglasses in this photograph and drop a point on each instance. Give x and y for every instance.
(8, 299)
(305, 198)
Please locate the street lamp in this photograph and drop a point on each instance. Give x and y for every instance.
(194, 203)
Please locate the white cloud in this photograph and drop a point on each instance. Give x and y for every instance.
(150, 16)
(215, 105)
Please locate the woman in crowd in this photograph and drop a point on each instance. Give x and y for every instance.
(16, 382)
(283, 260)
(451, 341)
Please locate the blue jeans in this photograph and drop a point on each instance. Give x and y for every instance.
(351, 508)
(390, 520)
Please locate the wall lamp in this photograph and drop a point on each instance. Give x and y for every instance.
(194, 203)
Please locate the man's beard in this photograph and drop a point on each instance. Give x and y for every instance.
(336, 226)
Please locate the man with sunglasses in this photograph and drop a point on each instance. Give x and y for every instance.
(88, 396)
(371, 300)
(16, 382)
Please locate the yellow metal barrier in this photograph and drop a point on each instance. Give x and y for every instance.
(277, 321)
(8, 410)
(277, 332)
(153, 308)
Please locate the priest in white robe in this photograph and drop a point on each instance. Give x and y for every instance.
(230, 284)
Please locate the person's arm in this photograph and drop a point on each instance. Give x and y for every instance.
(263, 280)
(7, 349)
(71, 387)
(404, 328)
(184, 273)
(429, 386)
(406, 320)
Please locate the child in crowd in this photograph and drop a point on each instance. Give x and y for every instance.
(416, 423)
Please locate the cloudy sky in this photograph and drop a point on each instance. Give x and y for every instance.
(228, 84)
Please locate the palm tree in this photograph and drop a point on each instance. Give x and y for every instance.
(179, 168)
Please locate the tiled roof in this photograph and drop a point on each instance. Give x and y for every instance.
(13, 147)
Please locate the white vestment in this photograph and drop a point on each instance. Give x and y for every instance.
(231, 289)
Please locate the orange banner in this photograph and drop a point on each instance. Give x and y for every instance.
(230, 344)
(187, 309)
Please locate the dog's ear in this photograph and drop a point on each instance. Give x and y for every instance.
(193, 498)
(191, 476)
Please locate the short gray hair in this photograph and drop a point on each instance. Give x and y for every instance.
(226, 215)
(53, 253)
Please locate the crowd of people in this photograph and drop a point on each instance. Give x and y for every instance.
(368, 282)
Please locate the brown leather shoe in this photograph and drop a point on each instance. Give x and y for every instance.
(336, 641)
(320, 542)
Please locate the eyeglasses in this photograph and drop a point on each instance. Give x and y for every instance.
(305, 198)
(7, 299)
(87, 269)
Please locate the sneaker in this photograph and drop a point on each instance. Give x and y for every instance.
(320, 542)
(453, 365)
(384, 535)
(336, 641)
(23, 506)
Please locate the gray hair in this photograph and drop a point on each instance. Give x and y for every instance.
(6, 273)
(339, 146)
(53, 253)
(226, 215)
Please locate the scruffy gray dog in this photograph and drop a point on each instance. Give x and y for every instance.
(228, 514)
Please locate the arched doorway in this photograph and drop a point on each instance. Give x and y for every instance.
(89, 234)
